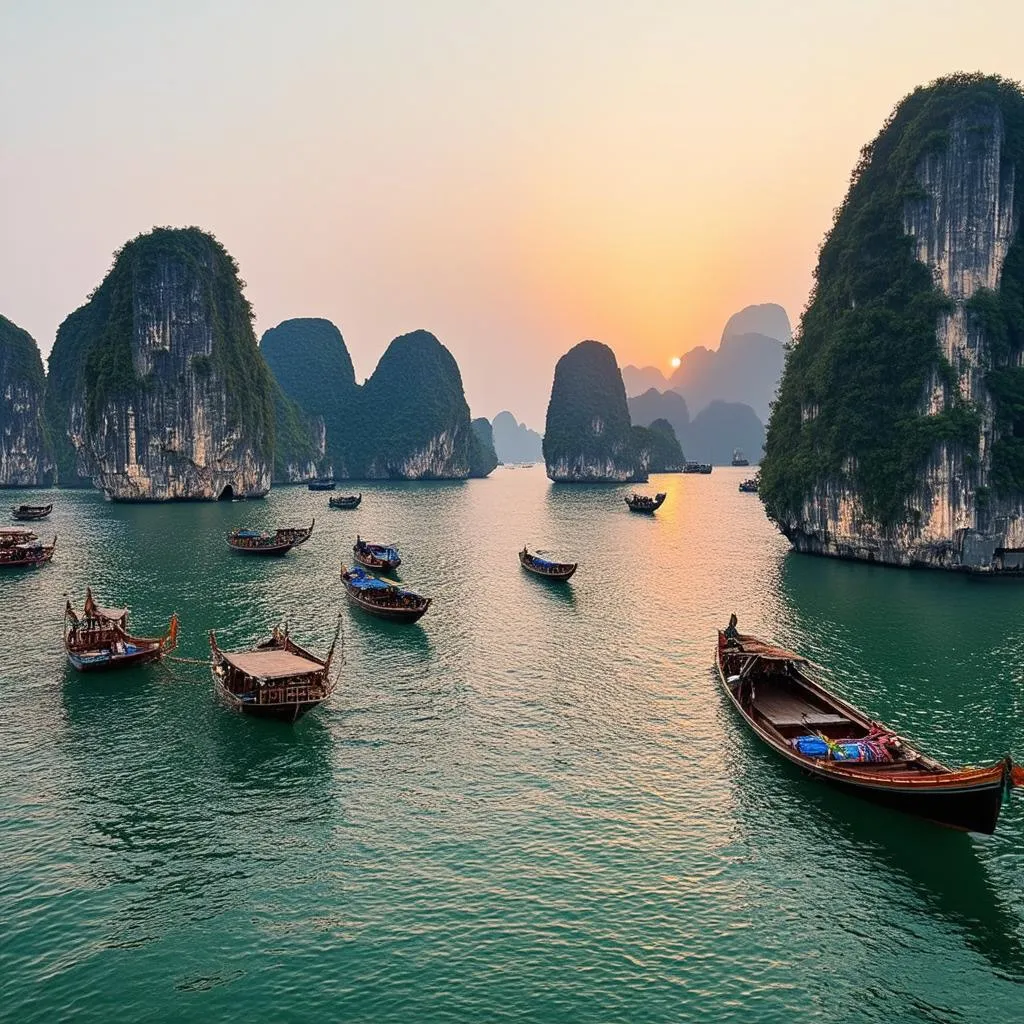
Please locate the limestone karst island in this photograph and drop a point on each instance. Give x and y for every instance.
(512, 513)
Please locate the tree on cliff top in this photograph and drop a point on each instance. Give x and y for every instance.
(587, 414)
(850, 405)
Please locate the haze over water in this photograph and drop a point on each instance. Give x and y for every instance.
(536, 805)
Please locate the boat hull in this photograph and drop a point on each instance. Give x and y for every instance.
(403, 616)
(560, 575)
(108, 660)
(286, 711)
(375, 564)
(970, 801)
(276, 549)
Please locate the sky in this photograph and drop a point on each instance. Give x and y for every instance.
(514, 176)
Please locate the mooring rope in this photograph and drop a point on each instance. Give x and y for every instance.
(188, 661)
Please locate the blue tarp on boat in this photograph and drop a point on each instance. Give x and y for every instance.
(248, 533)
(364, 581)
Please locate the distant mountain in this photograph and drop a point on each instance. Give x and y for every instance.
(745, 368)
(721, 427)
(711, 435)
(637, 380)
(768, 319)
(658, 447)
(661, 405)
(514, 441)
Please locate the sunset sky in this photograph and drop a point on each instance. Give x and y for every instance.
(513, 176)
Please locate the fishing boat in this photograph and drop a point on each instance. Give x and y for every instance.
(346, 501)
(21, 548)
(738, 458)
(556, 571)
(277, 679)
(697, 467)
(645, 503)
(30, 512)
(99, 638)
(383, 598)
(779, 698)
(749, 486)
(379, 557)
(321, 485)
(282, 540)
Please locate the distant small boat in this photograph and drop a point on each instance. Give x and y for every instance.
(321, 485)
(26, 512)
(645, 503)
(380, 557)
(21, 548)
(383, 598)
(739, 459)
(255, 542)
(556, 571)
(833, 741)
(100, 640)
(277, 679)
(749, 486)
(697, 467)
(346, 501)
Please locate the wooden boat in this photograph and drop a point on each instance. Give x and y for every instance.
(556, 571)
(383, 598)
(277, 679)
(775, 692)
(645, 503)
(31, 512)
(697, 467)
(379, 557)
(321, 485)
(100, 639)
(255, 542)
(21, 548)
(749, 486)
(346, 500)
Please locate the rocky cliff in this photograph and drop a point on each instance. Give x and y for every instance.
(588, 436)
(515, 441)
(157, 380)
(309, 360)
(482, 457)
(659, 447)
(25, 457)
(898, 435)
(300, 443)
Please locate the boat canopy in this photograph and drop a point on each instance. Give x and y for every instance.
(767, 652)
(364, 581)
(249, 533)
(271, 664)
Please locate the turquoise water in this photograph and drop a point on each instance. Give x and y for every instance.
(534, 805)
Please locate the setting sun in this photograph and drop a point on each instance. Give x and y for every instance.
(675, 360)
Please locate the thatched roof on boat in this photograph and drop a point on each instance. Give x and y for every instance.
(271, 664)
(762, 649)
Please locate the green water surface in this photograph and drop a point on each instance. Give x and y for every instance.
(532, 806)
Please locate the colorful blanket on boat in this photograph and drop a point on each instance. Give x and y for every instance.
(841, 750)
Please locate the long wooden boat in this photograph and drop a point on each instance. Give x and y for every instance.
(256, 542)
(778, 697)
(321, 485)
(31, 512)
(555, 571)
(697, 467)
(379, 557)
(21, 548)
(277, 679)
(383, 598)
(99, 638)
(346, 500)
(748, 486)
(644, 503)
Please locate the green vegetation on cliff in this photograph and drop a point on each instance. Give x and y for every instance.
(295, 444)
(93, 353)
(659, 442)
(309, 360)
(588, 420)
(851, 403)
(21, 367)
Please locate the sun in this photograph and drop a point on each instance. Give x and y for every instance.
(675, 360)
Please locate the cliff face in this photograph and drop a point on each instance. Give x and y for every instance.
(25, 458)
(515, 441)
(659, 447)
(312, 365)
(165, 395)
(300, 443)
(482, 457)
(588, 436)
(935, 475)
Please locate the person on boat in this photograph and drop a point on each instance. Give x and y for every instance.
(732, 634)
